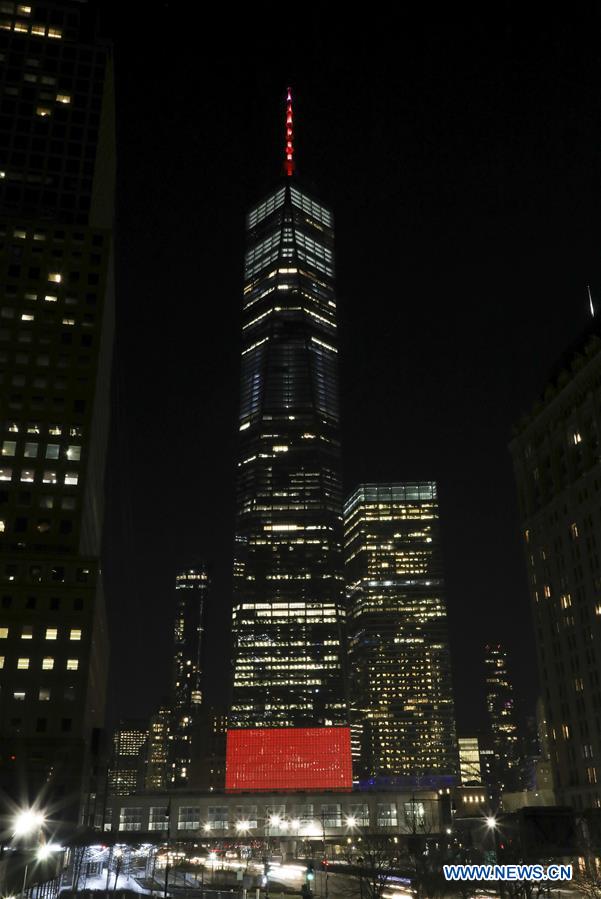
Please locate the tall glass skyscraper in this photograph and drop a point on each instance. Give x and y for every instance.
(288, 613)
(191, 594)
(57, 172)
(403, 716)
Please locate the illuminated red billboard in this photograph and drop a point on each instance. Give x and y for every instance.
(289, 758)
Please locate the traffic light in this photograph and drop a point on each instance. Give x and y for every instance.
(310, 872)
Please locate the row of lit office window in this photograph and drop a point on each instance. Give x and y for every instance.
(50, 633)
(28, 476)
(30, 450)
(24, 663)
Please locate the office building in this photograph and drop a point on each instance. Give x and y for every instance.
(127, 768)
(57, 167)
(288, 614)
(558, 474)
(191, 596)
(501, 717)
(400, 667)
(469, 761)
(157, 774)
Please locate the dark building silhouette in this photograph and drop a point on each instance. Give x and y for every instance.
(400, 667)
(501, 717)
(557, 467)
(191, 595)
(57, 167)
(288, 613)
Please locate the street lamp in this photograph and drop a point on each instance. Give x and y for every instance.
(27, 822)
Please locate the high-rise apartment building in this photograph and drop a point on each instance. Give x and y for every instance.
(127, 768)
(557, 467)
(191, 595)
(400, 667)
(57, 166)
(501, 717)
(288, 611)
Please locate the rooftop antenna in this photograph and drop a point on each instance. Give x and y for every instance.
(590, 300)
(289, 152)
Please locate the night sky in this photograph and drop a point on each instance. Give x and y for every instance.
(462, 158)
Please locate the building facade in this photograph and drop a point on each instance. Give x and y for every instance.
(501, 717)
(469, 761)
(400, 668)
(288, 614)
(191, 596)
(558, 474)
(157, 757)
(57, 173)
(127, 768)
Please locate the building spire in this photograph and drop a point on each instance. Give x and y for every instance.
(289, 151)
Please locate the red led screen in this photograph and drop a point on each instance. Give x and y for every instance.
(289, 758)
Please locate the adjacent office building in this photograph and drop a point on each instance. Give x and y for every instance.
(57, 166)
(469, 761)
(400, 668)
(157, 757)
(288, 612)
(501, 717)
(556, 458)
(191, 595)
(127, 768)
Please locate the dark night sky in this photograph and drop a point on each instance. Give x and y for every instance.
(462, 157)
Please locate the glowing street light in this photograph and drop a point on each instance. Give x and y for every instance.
(274, 820)
(351, 821)
(242, 826)
(491, 822)
(27, 822)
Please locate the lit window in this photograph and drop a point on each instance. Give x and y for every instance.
(63, 98)
(23, 664)
(56, 277)
(3, 633)
(23, 10)
(2, 525)
(27, 475)
(27, 317)
(74, 453)
(52, 451)
(49, 477)
(55, 33)
(71, 479)
(72, 664)
(31, 451)
(50, 299)
(27, 632)
(19, 695)
(51, 633)
(55, 430)
(43, 111)
(6, 474)
(47, 664)
(9, 447)
(2, 661)
(69, 321)
(75, 633)
(44, 694)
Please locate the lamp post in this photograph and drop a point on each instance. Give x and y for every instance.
(28, 822)
(492, 824)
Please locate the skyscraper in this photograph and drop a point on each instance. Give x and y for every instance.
(157, 756)
(191, 594)
(400, 666)
(501, 716)
(558, 473)
(56, 323)
(469, 760)
(288, 612)
(127, 767)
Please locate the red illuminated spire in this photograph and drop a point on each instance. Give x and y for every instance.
(289, 151)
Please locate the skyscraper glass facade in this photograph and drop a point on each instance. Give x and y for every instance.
(501, 716)
(288, 613)
(400, 668)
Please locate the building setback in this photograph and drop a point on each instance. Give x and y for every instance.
(191, 595)
(56, 327)
(288, 613)
(400, 668)
(558, 474)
